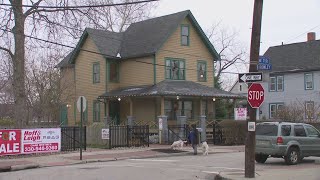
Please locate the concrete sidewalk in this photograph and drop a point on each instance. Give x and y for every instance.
(99, 155)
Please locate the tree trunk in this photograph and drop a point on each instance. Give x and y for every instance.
(20, 108)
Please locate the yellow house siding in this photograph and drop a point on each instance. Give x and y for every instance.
(67, 89)
(137, 71)
(191, 54)
(84, 77)
(144, 109)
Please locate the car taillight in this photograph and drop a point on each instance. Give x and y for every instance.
(279, 140)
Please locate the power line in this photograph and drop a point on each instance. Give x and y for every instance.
(82, 6)
(99, 53)
(287, 42)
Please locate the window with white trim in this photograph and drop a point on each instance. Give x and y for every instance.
(309, 112)
(274, 109)
(276, 83)
(308, 81)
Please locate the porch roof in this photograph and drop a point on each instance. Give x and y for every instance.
(170, 88)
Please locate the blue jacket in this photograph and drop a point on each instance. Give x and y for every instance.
(193, 137)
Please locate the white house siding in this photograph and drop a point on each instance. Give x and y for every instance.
(294, 91)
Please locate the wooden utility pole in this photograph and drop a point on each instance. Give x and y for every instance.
(254, 58)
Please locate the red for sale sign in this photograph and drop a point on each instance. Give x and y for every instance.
(10, 141)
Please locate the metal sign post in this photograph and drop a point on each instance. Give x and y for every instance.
(81, 116)
(81, 106)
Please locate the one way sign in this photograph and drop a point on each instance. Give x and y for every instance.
(250, 77)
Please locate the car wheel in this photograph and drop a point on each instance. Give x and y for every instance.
(293, 156)
(261, 158)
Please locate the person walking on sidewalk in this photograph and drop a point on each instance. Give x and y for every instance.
(193, 139)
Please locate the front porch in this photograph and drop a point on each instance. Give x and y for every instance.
(175, 102)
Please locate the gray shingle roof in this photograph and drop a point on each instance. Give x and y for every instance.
(295, 57)
(65, 62)
(140, 39)
(146, 37)
(107, 42)
(171, 88)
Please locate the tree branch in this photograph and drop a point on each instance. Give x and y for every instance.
(34, 6)
(8, 51)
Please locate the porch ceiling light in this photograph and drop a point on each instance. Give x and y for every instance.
(119, 99)
(213, 99)
(68, 105)
(178, 97)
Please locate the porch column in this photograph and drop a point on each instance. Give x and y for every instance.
(130, 118)
(163, 120)
(182, 121)
(203, 125)
(106, 112)
(163, 133)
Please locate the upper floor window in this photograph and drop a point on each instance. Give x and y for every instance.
(308, 81)
(276, 83)
(96, 72)
(309, 112)
(202, 71)
(96, 111)
(274, 109)
(175, 69)
(185, 35)
(114, 72)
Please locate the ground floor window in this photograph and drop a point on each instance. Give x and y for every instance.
(175, 108)
(274, 108)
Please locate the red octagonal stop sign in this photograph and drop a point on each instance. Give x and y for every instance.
(255, 95)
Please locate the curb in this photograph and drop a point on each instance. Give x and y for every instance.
(5, 168)
(22, 167)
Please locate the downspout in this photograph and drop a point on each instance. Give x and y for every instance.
(154, 69)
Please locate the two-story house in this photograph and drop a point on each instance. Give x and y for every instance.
(158, 67)
(293, 84)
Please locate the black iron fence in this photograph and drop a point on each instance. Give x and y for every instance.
(177, 132)
(70, 138)
(128, 136)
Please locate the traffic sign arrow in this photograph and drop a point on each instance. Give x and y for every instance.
(250, 77)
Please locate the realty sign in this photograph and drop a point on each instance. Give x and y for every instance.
(41, 140)
(10, 141)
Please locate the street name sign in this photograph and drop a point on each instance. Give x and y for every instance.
(250, 77)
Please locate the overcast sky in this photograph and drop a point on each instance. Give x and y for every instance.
(285, 21)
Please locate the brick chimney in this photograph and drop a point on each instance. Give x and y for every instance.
(311, 36)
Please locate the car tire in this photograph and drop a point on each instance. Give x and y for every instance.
(293, 156)
(261, 158)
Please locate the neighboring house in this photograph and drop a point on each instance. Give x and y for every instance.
(294, 79)
(158, 67)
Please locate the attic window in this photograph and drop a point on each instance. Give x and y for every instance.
(185, 35)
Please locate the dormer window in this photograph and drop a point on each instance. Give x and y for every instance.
(185, 35)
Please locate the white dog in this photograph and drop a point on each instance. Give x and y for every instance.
(205, 148)
(177, 144)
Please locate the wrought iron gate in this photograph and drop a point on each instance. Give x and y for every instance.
(70, 138)
(128, 136)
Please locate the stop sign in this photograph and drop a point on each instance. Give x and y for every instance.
(255, 95)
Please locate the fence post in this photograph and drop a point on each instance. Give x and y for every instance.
(110, 136)
(128, 134)
(74, 138)
(214, 132)
(148, 134)
(203, 128)
(85, 137)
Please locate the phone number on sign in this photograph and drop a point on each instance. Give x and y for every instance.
(40, 147)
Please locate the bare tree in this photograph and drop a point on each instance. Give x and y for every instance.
(228, 46)
(297, 112)
(45, 19)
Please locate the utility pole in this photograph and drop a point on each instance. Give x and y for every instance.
(254, 57)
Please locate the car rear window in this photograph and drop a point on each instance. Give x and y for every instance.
(267, 129)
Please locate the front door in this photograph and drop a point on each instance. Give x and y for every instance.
(114, 111)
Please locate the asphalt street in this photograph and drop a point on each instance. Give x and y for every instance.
(171, 168)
